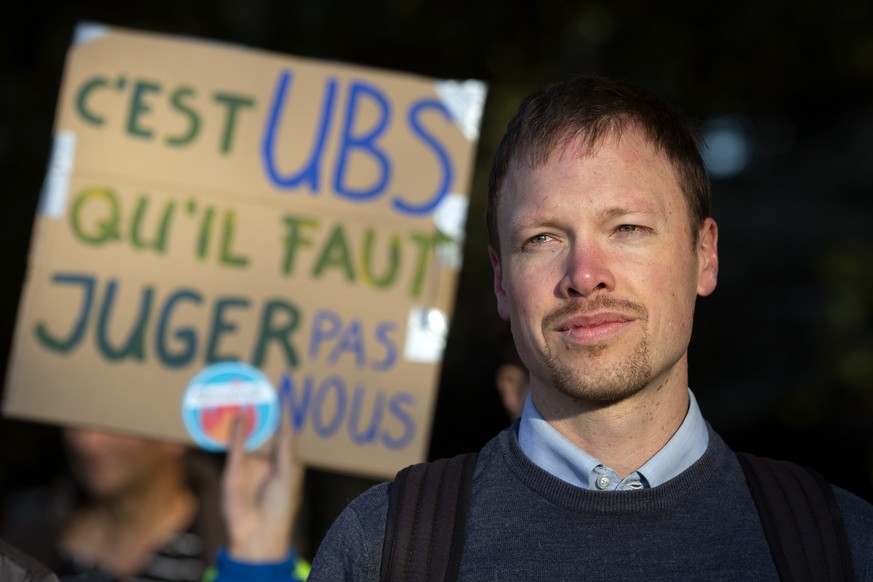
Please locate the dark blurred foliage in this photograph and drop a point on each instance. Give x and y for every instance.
(782, 358)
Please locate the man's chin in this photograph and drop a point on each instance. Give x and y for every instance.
(598, 395)
(601, 385)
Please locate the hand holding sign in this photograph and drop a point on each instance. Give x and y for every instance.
(261, 494)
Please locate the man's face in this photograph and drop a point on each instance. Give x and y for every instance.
(109, 465)
(597, 273)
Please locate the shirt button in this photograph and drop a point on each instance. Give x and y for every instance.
(602, 482)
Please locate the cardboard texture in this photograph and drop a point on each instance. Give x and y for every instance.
(207, 202)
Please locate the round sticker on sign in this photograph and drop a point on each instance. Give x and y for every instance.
(221, 391)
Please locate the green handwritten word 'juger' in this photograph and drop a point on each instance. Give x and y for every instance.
(329, 248)
(167, 325)
(97, 218)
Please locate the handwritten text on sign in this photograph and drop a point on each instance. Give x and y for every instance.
(208, 203)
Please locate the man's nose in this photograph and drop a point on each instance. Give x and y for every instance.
(588, 269)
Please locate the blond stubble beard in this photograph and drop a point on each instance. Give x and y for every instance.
(580, 375)
(591, 382)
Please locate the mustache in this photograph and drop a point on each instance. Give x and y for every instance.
(601, 302)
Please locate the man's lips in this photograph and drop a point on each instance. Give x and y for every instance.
(593, 328)
(596, 319)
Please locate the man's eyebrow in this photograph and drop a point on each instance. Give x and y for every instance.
(523, 223)
(641, 208)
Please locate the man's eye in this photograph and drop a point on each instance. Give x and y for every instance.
(540, 238)
(628, 228)
(536, 241)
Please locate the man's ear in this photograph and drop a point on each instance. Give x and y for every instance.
(499, 290)
(707, 258)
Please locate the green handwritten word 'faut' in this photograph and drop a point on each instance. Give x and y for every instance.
(329, 248)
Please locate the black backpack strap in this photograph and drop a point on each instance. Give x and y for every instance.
(801, 519)
(427, 520)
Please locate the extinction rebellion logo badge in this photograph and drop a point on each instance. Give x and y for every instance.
(221, 392)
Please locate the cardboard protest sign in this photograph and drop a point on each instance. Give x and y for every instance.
(209, 203)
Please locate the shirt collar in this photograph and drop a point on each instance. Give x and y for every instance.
(553, 453)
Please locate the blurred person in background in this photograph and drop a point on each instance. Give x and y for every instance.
(140, 509)
(134, 509)
(512, 386)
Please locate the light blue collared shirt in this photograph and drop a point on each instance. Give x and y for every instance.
(550, 451)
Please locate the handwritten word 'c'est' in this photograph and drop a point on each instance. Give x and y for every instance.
(141, 97)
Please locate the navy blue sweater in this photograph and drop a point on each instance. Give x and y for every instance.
(525, 524)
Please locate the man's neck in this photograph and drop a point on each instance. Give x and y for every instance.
(622, 435)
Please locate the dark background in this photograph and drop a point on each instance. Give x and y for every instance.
(782, 356)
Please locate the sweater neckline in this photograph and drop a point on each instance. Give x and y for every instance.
(695, 479)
